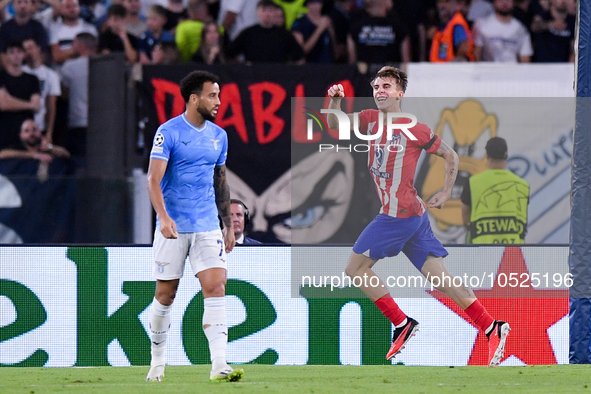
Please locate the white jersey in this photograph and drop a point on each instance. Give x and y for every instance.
(64, 35)
(49, 81)
(502, 42)
(246, 15)
(75, 76)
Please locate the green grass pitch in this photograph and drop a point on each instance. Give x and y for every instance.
(302, 379)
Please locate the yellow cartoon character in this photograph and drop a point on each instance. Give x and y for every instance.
(466, 128)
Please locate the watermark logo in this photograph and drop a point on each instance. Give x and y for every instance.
(319, 120)
(345, 124)
(391, 120)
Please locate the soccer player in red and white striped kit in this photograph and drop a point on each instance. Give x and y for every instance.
(402, 224)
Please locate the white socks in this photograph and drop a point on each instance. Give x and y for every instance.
(159, 327)
(214, 314)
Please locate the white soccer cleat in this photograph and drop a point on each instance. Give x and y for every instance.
(226, 374)
(156, 373)
(496, 342)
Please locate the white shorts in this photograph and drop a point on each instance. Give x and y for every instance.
(205, 250)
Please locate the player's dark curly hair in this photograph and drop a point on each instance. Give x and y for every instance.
(193, 83)
(392, 72)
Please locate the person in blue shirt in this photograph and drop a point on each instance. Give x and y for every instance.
(155, 33)
(315, 34)
(188, 189)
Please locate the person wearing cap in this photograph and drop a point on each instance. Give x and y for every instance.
(494, 204)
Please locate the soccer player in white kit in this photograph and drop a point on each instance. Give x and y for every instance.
(187, 186)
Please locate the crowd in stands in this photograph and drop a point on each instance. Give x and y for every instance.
(45, 44)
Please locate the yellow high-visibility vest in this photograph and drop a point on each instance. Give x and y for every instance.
(498, 214)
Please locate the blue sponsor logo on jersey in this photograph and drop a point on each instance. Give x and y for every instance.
(381, 174)
(379, 156)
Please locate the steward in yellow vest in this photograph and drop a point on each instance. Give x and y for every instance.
(494, 203)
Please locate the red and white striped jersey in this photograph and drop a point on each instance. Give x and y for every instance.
(393, 167)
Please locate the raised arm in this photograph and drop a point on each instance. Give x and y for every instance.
(308, 45)
(451, 172)
(9, 153)
(336, 93)
(222, 200)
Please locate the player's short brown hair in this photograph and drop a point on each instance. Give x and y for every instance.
(392, 72)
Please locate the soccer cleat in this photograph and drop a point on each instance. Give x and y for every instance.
(401, 336)
(226, 374)
(156, 373)
(496, 342)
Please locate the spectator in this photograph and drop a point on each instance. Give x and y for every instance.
(210, 50)
(116, 38)
(554, 33)
(23, 26)
(100, 22)
(64, 30)
(20, 97)
(279, 17)
(154, 34)
(240, 221)
(135, 21)
(414, 14)
(91, 11)
(315, 34)
(33, 145)
(292, 10)
(175, 13)
(340, 16)
(479, 9)
(237, 15)
(378, 36)
(46, 11)
(282, 46)
(49, 84)
(75, 86)
(188, 33)
(500, 37)
(492, 219)
(165, 53)
(453, 40)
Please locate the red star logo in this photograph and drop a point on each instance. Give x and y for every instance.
(529, 312)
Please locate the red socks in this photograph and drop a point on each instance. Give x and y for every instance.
(479, 315)
(390, 309)
(476, 311)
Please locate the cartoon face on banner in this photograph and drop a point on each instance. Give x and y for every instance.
(308, 204)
